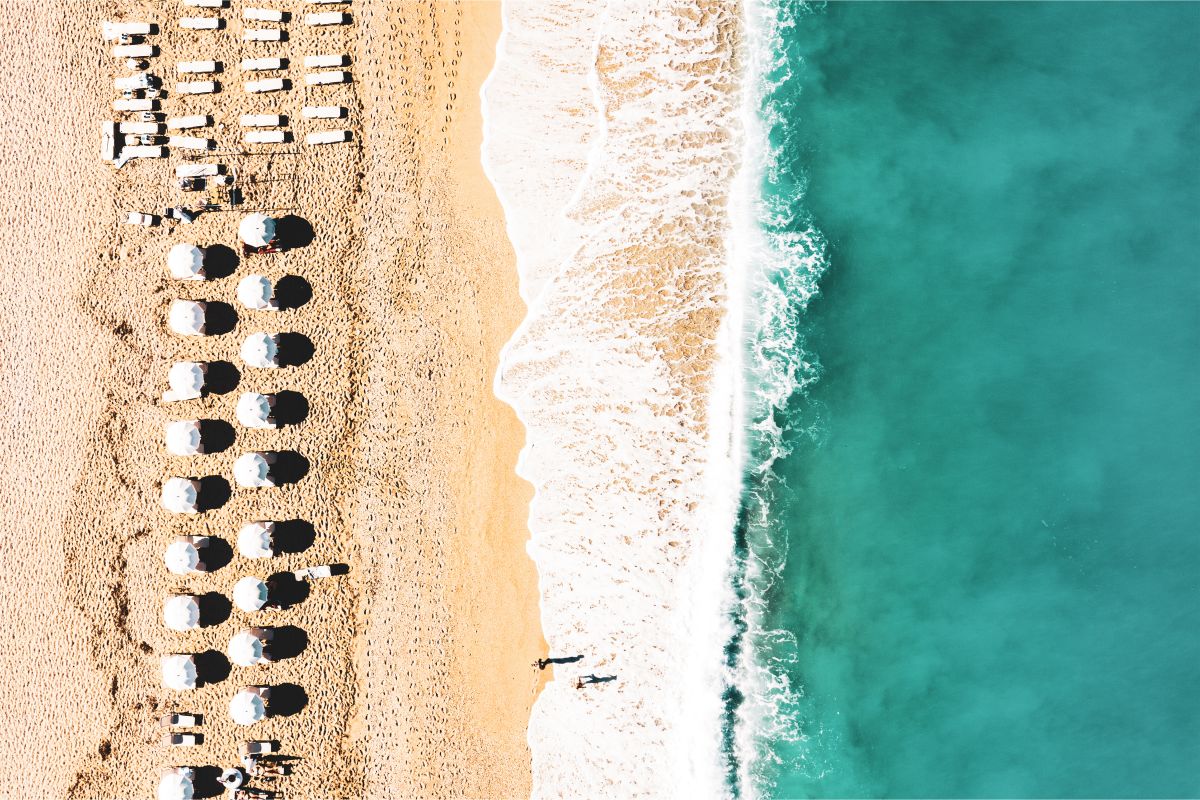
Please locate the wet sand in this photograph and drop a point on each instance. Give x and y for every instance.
(415, 679)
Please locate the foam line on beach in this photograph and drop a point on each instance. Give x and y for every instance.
(611, 138)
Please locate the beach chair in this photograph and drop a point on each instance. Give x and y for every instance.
(196, 67)
(260, 64)
(138, 80)
(262, 35)
(197, 170)
(197, 87)
(134, 50)
(135, 104)
(263, 121)
(183, 739)
(138, 218)
(205, 3)
(265, 137)
(259, 748)
(319, 62)
(262, 15)
(323, 112)
(191, 142)
(188, 122)
(142, 128)
(322, 78)
(265, 85)
(180, 720)
(321, 571)
(201, 23)
(327, 18)
(327, 2)
(115, 30)
(327, 137)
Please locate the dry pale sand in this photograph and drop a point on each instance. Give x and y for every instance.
(416, 679)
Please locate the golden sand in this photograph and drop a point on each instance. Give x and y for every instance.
(417, 672)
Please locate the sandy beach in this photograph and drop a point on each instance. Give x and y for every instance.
(416, 678)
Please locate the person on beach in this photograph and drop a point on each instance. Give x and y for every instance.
(542, 663)
(588, 680)
(256, 768)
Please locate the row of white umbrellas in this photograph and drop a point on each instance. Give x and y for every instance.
(254, 540)
(251, 471)
(185, 262)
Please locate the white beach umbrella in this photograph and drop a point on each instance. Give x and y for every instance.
(181, 612)
(252, 470)
(181, 495)
(179, 672)
(182, 557)
(186, 317)
(261, 350)
(255, 291)
(247, 708)
(176, 785)
(183, 437)
(245, 649)
(185, 262)
(186, 379)
(255, 540)
(257, 230)
(254, 410)
(249, 594)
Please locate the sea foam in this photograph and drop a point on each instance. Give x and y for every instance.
(612, 138)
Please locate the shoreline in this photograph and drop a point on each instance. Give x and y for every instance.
(417, 666)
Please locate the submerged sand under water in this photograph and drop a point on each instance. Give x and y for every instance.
(416, 674)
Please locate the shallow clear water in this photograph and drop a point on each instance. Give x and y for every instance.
(994, 534)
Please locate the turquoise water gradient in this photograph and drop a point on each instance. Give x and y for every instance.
(994, 563)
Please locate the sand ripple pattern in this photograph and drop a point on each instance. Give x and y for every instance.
(620, 376)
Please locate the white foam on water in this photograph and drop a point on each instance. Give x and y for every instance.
(611, 137)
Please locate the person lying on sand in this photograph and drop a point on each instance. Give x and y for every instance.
(256, 768)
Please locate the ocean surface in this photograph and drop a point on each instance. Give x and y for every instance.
(970, 540)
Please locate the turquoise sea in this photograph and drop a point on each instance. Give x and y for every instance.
(990, 498)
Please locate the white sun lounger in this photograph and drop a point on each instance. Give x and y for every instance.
(179, 721)
(259, 64)
(322, 571)
(262, 120)
(135, 104)
(262, 35)
(327, 137)
(327, 18)
(138, 80)
(197, 170)
(138, 218)
(197, 67)
(322, 78)
(201, 23)
(191, 142)
(181, 739)
(323, 112)
(258, 748)
(143, 151)
(115, 30)
(153, 128)
(133, 50)
(327, 2)
(265, 85)
(197, 87)
(193, 121)
(319, 62)
(262, 14)
(265, 137)
(205, 3)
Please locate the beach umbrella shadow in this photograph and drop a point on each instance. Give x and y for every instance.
(292, 231)
(205, 783)
(221, 377)
(287, 699)
(286, 590)
(215, 608)
(294, 535)
(217, 553)
(211, 667)
(292, 291)
(216, 435)
(291, 408)
(214, 493)
(289, 467)
(219, 261)
(219, 318)
(295, 349)
(287, 641)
